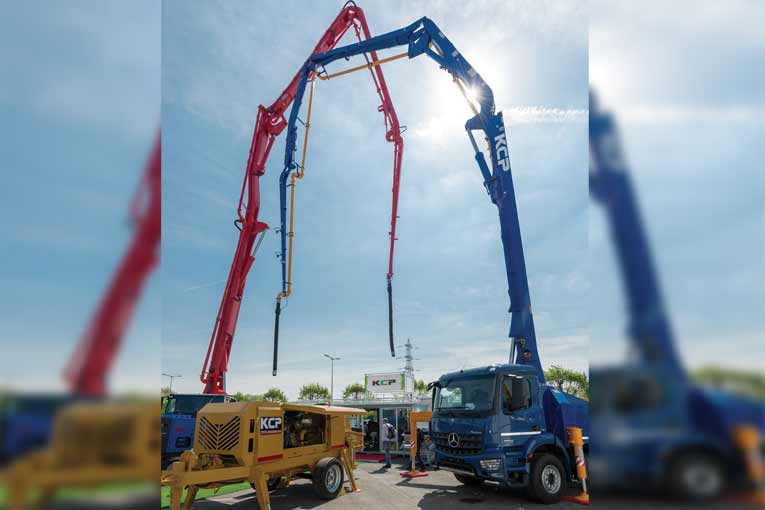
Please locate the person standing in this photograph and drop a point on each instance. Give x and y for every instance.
(389, 439)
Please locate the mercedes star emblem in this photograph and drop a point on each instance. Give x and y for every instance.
(453, 440)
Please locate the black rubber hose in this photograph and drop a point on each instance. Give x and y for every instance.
(390, 319)
(276, 335)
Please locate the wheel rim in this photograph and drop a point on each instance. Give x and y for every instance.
(551, 479)
(333, 478)
(702, 479)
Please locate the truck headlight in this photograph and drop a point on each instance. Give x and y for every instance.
(491, 464)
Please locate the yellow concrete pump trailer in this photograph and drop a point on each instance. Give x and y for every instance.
(268, 445)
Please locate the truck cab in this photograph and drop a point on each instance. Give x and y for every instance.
(179, 413)
(26, 422)
(499, 423)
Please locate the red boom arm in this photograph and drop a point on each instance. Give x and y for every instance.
(88, 368)
(269, 124)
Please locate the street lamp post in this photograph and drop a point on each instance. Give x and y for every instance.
(332, 378)
(171, 376)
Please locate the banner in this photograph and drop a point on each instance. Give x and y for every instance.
(391, 382)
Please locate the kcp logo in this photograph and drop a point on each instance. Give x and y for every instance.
(383, 382)
(503, 155)
(271, 425)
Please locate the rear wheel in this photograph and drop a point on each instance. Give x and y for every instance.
(328, 477)
(468, 480)
(696, 477)
(547, 479)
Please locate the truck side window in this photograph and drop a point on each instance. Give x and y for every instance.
(516, 394)
(638, 395)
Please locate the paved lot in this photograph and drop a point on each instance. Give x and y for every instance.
(385, 489)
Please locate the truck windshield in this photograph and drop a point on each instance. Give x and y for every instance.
(475, 394)
(189, 404)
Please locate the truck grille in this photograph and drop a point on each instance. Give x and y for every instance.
(218, 436)
(469, 444)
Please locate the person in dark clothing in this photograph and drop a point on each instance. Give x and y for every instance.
(418, 463)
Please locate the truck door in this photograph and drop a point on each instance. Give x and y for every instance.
(521, 410)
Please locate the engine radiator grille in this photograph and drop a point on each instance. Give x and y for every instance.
(218, 436)
(460, 444)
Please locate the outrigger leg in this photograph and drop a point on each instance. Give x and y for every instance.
(261, 490)
(345, 459)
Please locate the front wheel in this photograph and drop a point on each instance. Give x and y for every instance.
(328, 477)
(696, 477)
(468, 480)
(547, 479)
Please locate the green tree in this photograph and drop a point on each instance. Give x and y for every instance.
(420, 387)
(355, 390)
(737, 381)
(569, 381)
(243, 397)
(313, 391)
(274, 395)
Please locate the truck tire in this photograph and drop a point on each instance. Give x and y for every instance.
(328, 478)
(547, 479)
(468, 480)
(696, 477)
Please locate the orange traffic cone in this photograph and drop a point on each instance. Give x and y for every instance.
(413, 473)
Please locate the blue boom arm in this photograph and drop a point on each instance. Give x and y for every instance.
(610, 184)
(424, 37)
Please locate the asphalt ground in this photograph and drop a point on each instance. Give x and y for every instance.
(385, 489)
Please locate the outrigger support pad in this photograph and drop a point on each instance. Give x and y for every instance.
(390, 319)
(278, 312)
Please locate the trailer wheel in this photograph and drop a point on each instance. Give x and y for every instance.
(696, 477)
(547, 480)
(468, 480)
(328, 478)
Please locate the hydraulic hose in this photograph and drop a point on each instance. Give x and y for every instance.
(277, 313)
(390, 319)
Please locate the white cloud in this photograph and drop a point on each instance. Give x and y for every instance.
(543, 115)
(655, 114)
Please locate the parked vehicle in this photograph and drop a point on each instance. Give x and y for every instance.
(500, 423)
(179, 414)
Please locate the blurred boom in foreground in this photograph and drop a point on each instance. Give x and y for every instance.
(88, 369)
(52, 442)
(649, 421)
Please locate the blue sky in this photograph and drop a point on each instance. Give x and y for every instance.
(693, 138)
(79, 115)
(221, 59)
(84, 105)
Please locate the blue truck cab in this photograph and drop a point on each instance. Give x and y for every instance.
(499, 423)
(26, 422)
(179, 414)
